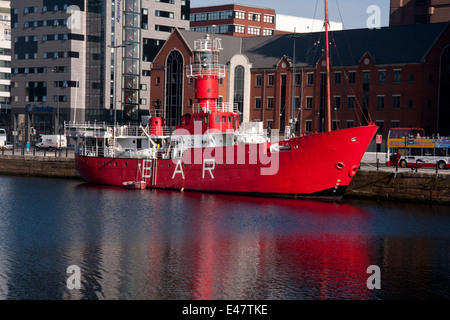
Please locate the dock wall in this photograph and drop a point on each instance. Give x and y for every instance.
(38, 166)
(406, 186)
(384, 184)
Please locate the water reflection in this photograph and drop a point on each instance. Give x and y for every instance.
(147, 244)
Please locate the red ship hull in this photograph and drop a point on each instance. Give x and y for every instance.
(314, 166)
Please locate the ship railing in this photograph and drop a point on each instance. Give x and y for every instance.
(128, 131)
(88, 129)
(208, 44)
(209, 69)
(217, 107)
(94, 151)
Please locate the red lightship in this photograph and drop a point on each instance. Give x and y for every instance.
(211, 151)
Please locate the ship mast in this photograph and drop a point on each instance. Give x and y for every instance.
(327, 58)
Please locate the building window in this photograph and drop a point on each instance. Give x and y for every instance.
(269, 124)
(174, 86)
(379, 124)
(270, 103)
(269, 19)
(350, 123)
(298, 79)
(254, 31)
(268, 32)
(381, 76)
(271, 80)
(308, 126)
(310, 79)
(258, 80)
(337, 77)
(396, 101)
(351, 102)
(164, 14)
(410, 104)
(397, 75)
(239, 29)
(297, 103)
(239, 15)
(239, 80)
(366, 77)
(337, 102)
(309, 102)
(254, 16)
(335, 124)
(351, 77)
(395, 124)
(258, 103)
(380, 102)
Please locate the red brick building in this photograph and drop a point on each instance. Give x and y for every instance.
(394, 76)
(234, 20)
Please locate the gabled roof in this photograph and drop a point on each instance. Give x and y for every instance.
(387, 45)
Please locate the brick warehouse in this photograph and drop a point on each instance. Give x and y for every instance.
(394, 76)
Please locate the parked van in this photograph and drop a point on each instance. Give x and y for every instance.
(51, 141)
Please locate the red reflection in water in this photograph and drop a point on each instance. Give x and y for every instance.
(259, 262)
(292, 266)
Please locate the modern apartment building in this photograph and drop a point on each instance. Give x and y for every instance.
(5, 63)
(405, 12)
(86, 60)
(245, 21)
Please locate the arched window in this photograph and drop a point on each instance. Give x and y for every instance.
(239, 73)
(174, 88)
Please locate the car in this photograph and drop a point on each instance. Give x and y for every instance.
(7, 146)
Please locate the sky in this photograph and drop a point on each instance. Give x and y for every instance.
(353, 12)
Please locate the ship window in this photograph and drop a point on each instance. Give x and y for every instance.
(224, 119)
(217, 119)
(229, 119)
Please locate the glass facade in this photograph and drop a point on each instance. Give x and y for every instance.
(131, 60)
(95, 53)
